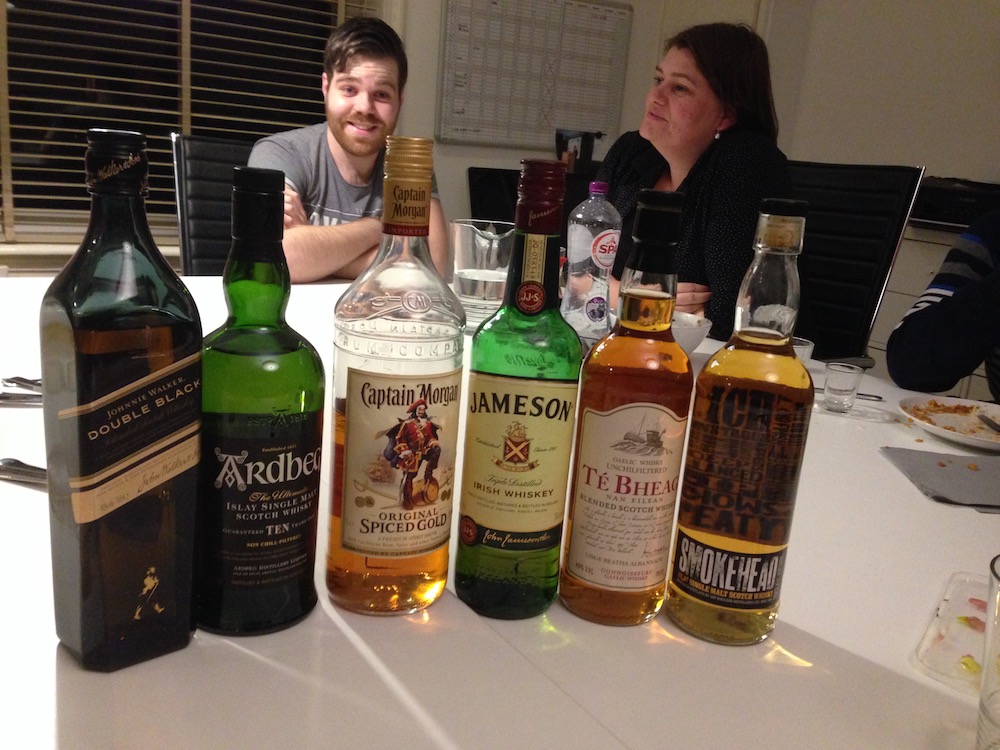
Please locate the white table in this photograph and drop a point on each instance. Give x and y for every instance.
(869, 559)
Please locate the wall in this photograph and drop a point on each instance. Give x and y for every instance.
(421, 31)
(893, 81)
(889, 82)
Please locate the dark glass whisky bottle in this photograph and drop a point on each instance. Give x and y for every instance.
(262, 424)
(121, 372)
(635, 393)
(749, 420)
(525, 366)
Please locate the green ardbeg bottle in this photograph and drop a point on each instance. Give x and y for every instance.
(262, 430)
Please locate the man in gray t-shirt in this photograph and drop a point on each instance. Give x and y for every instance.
(333, 170)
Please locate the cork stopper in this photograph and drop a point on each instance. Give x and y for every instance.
(781, 225)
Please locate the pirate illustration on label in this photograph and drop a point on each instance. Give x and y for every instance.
(412, 442)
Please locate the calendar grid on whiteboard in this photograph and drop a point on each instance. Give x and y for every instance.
(515, 70)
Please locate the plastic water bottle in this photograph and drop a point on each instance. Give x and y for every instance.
(591, 242)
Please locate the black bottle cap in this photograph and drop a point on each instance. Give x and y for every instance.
(783, 207)
(258, 204)
(116, 162)
(257, 180)
(656, 229)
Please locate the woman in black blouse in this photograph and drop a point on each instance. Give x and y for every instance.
(710, 132)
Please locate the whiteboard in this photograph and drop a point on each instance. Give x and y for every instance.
(516, 70)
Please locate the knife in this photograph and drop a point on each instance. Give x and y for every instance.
(17, 471)
(20, 399)
(991, 423)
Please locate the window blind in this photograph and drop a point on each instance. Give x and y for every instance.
(239, 69)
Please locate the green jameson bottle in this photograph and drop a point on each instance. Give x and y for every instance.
(261, 434)
(519, 433)
(121, 368)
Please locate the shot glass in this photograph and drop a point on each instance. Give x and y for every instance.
(842, 383)
(803, 348)
(988, 734)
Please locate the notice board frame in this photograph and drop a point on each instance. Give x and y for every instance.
(514, 71)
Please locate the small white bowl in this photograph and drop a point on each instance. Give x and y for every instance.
(689, 330)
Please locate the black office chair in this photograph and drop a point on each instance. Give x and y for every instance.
(857, 214)
(203, 179)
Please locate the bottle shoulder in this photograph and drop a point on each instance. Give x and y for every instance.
(126, 285)
(541, 346)
(654, 354)
(253, 341)
(768, 364)
(383, 297)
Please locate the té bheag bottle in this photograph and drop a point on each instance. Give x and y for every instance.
(261, 436)
(525, 366)
(592, 236)
(121, 374)
(749, 421)
(635, 393)
(398, 348)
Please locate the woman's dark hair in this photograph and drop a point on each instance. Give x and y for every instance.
(734, 61)
(367, 37)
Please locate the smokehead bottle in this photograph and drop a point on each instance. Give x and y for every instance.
(525, 366)
(121, 373)
(752, 403)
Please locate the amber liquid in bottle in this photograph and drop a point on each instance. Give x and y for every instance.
(749, 421)
(399, 339)
(635, 392)
(730, 383)
(637, 363)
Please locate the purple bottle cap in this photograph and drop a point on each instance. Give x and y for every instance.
(598, 187)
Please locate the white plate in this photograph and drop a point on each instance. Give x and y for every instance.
(954, 419)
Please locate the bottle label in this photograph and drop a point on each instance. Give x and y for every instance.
(530, 296)
(727, 572)
(399, 462)
(604, 247)
(518, 442)
(260, 495)
(407, 207)
(627, 473)
(735, 508)
(135, 438)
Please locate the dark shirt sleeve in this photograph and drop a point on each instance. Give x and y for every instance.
(955, 325)
(724, 192)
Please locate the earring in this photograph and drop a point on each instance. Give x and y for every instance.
(718, 134)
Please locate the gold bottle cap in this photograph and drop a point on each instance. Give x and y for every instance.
(409, 169)
(409, 158)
